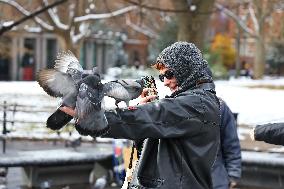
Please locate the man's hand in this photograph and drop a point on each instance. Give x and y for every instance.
(68, 110)
(233, 182)
(147, 98)
(251, 133)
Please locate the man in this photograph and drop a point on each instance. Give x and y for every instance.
(181, 132)
(227, 167)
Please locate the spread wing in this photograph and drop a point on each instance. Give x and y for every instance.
(132, 87)
(65, 60)
(115, 90)
(55, 83)
(129, 84)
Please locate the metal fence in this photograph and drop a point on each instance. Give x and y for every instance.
(12, 109)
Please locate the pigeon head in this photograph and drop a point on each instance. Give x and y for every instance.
(140, 82)
(136, 88)
(93, 81)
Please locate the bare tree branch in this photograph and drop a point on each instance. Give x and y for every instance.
(187, 9)
(140, 29)
(71, 13)
(55, 18)
(237, 19)
(83, 32)
(156, 8)
(31, 15)
(253, 17)
(105, 15)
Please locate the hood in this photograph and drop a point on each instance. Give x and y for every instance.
(187, 63)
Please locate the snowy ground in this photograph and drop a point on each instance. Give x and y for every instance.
(255, 105)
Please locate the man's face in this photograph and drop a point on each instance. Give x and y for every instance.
(171, 82)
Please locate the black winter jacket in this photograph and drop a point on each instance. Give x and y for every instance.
(182, 138)
(272, 133)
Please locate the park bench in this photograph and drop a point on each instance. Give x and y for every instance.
(59, 167)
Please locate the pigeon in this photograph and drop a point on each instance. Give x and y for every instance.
(89, 105)
(100, 183)
(62, 81)
(100, 177)
(123, 90)
(74, 143)
(90, 115)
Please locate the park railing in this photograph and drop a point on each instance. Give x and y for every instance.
(9, 118)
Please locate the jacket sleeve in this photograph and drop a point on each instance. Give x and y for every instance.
(230, 144)
(183, 116)
(272, 133)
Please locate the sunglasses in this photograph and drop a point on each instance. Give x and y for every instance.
(169, 74)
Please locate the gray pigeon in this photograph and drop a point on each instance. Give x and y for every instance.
(101, 183)
(62, 81)
(89, 112)
(123, 90)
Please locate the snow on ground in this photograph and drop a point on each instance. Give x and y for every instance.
(254, 105)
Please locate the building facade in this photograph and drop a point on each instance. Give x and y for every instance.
(30, 52)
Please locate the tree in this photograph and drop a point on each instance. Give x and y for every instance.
(168, 34)
(69, 22)
(192, 24)
(253, 23)
(222, 45)
(4, 29)
(275, 57)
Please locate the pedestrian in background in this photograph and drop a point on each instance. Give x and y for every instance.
(227, 168)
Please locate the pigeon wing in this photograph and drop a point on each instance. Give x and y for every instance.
(55, 83)
(115, 90)
(66, 60)
(132, 88)
(129, 84)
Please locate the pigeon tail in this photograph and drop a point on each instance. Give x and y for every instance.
(57, 120)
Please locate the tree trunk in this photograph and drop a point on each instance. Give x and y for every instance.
(192, 25)
(67, 44)
(259, 60)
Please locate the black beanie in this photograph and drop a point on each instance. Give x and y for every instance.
(187, 63)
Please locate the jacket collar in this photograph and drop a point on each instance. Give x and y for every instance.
(203, 86)
(206, 86)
